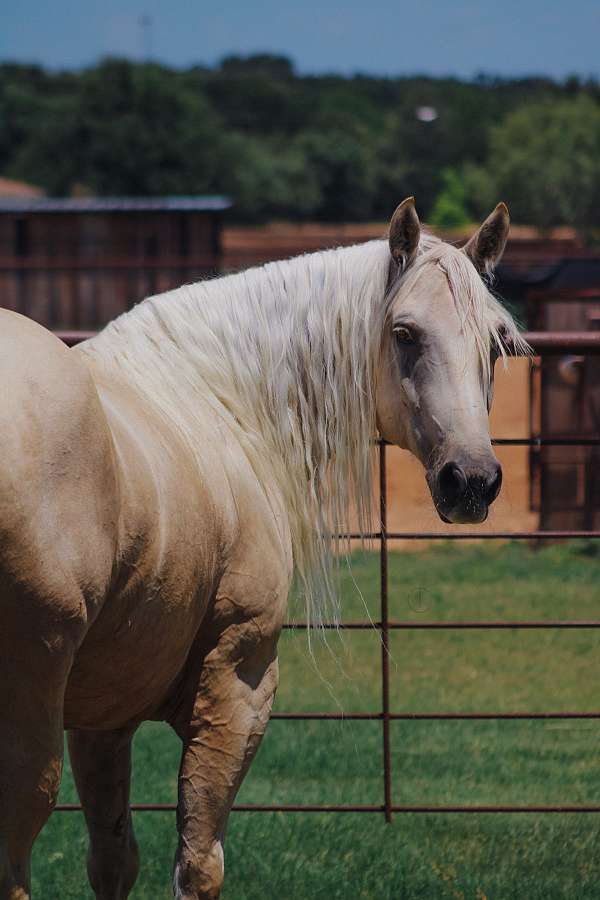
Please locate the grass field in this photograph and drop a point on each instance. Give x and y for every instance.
(348, 856)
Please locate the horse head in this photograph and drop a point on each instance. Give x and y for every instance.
(443, 334)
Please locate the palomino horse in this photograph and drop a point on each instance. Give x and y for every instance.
(158, 485)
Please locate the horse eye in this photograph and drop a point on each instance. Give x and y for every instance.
(404, 336)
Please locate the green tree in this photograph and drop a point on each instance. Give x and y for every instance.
(257, 95)
(342, 167)
(267, 180)
(297, 146)
(544, 161)
(128, 129)
(449, 209)
(481, 191)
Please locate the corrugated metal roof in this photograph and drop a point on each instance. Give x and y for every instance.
(113, 204)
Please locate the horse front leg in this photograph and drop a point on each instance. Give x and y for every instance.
(101, 763)
(230, 714)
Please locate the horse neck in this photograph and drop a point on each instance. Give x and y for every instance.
(303, 333)
(282, 356)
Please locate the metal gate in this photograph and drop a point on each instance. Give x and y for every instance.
(543, 344)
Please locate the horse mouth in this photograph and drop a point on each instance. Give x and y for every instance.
(471, 516)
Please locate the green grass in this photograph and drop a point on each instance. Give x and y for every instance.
(347, 856)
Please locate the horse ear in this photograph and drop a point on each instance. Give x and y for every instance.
(487, 245)
(405, 231)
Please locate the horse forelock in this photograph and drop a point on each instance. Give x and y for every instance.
(483, 318)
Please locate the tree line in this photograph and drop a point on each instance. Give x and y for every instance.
(302, 147)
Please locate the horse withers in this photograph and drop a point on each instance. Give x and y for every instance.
(160, 483)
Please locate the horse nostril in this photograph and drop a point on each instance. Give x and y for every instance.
(493, 485)
(452, 483)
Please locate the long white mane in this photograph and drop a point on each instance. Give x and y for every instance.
(286, 356)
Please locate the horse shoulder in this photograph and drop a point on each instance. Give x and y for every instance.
(256, 580)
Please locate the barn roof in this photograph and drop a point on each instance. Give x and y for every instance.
(214, 203)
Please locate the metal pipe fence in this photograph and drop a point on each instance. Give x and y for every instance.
(542, 344)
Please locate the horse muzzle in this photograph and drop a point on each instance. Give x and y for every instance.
(464, 494)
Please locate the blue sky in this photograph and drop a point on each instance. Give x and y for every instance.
(437, 37)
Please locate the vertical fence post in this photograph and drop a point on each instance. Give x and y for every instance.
(385, 655)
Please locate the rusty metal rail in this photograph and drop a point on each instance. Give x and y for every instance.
(542, 344)
(348, 808)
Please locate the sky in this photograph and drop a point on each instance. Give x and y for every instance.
(387, 37)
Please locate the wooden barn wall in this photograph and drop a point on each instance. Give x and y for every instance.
(567, 479)
(81, 270)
